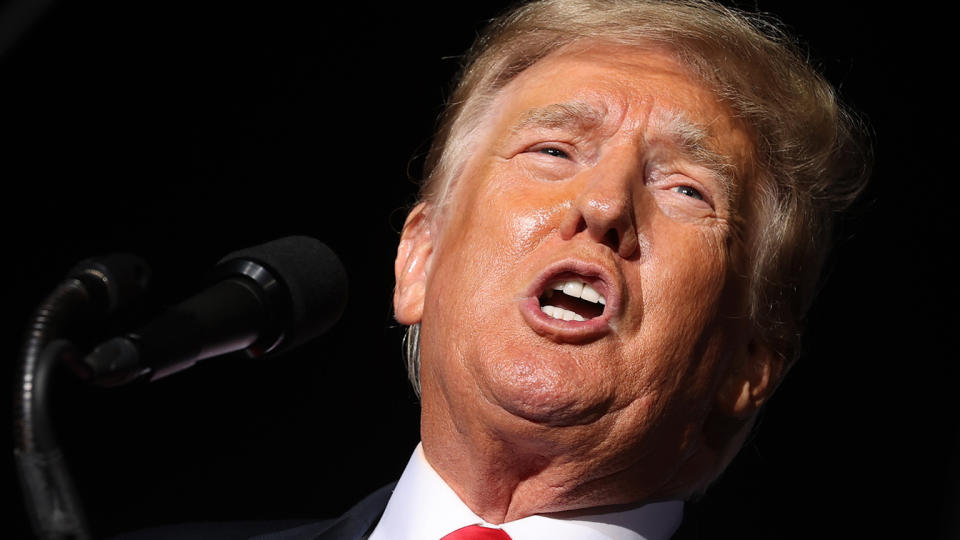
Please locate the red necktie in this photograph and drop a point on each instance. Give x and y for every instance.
(476, 532)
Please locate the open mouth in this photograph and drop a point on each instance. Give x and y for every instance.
(572, 300)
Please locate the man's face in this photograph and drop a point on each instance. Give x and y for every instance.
(610, 173)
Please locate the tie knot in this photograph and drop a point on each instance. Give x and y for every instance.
(476, 532)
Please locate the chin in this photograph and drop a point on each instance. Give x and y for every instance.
(550, 392)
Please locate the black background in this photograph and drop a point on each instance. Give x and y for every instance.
(184, 131)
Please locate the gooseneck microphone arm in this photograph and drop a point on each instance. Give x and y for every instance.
(50, 497)
(93, 289)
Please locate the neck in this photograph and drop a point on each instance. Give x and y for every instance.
(507, 475)
(495, 484)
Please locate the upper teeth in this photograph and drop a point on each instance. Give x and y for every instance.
(579, 289)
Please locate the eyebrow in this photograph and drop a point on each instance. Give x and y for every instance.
(693, 140)
(576, 115)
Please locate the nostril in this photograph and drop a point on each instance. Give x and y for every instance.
(612, 239)
(581, 226)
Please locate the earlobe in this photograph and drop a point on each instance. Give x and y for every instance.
(412, 266)
(751, 380)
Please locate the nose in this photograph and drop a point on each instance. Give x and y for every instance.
(603, 206)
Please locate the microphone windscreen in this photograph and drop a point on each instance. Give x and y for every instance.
(314, 277)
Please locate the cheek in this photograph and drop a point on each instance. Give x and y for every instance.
(506, 215)
(527, 227)
(687, 269)
(682, 282)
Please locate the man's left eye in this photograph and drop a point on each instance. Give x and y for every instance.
(689, 192)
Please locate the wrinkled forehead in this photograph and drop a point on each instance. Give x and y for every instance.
(650, 82)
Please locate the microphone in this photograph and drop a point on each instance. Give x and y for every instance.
(266, 299)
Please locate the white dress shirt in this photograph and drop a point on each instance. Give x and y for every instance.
(423, 507)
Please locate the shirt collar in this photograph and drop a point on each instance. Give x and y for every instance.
(424, 507)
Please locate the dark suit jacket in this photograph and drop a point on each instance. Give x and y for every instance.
(356, 524)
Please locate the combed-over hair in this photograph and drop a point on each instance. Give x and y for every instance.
(810, 155)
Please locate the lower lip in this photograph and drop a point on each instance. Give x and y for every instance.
(559, 330)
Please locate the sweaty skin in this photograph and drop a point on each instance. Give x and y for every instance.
(609, 163)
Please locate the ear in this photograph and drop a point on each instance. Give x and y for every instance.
(412, 265)
(750, 381)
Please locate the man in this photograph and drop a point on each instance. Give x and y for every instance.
(624, 216)
(622, 224)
